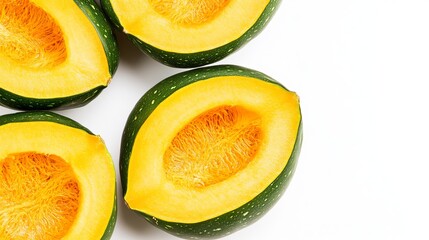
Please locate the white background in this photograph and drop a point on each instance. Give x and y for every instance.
(360, 68)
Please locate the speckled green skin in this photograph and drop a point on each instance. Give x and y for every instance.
(108, 40)
(104, 30)
(112, 222)
(195, 59)
(46, 116)
(230, 221)
(11, 100)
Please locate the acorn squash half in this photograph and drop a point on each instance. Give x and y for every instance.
(209, 151)
(190, 33)
(54, 54)
(57, 179)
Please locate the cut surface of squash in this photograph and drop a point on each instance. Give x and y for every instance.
(57, 180)
(190, 33)
(53, 50)
(188, 165)
(208, 151)
(187, 26)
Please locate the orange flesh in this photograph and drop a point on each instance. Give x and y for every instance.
(39, 196)
(213, 147)
(29, 36)
(189, 12)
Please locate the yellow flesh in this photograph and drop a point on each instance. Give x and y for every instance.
(42, 54)
(212, 147)
(88, 157)
(175, 25)
(268, 113)
(39, 195)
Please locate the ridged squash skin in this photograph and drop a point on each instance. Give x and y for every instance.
(106, 36)
(200, 58)
(46, 116)
(231, 221)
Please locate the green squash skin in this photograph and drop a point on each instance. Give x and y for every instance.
(107, 7)
(108, 40)
(104, 30)
(112, 222)
(196, 59)
(46, 116)
(231, 221)
(11, 100)
(41, 116)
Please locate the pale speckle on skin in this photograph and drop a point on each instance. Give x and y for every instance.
(155, 219)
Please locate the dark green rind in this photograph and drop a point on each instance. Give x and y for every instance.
(104, 30)
(108, 10)
(41, 116)
(11, 100)
(228, 222)
(189, 60)
(46, 116)
(112, 222)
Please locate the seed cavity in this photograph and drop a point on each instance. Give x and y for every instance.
(189, 12)
(39, 196)
(213, 147)
(29, 36)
